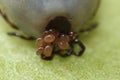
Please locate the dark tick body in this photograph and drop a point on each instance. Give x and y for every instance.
(55, 24)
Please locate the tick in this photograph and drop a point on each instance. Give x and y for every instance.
(55, 24)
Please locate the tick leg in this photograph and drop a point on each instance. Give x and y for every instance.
(79, 53)
(15, 27)
(7, 20)
(90, 28)
(20, 36)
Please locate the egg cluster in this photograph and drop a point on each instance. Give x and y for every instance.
(53, 39)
